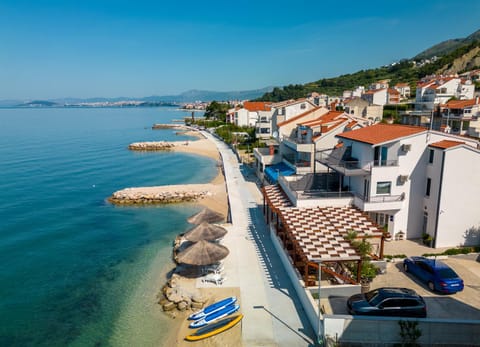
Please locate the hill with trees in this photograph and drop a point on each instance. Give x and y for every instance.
(465, 57)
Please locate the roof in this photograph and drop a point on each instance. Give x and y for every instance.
(381, 133)
(445, 144)
(460, 104)
(328, 117)
(374, 91)
(320, 232)
(401, 85)
(257, 106)
(301, 115)
(393, 91)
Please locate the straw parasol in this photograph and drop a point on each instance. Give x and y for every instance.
(205, 231)
(203, 253)
(206, 215)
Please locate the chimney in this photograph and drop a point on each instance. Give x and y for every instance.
(476, 100)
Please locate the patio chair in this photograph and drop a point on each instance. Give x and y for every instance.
(216, 278)
(214, 268)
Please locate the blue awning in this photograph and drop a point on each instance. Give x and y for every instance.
(271, 172)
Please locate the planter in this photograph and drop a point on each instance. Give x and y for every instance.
(365, 286)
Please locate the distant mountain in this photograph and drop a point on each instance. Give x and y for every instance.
(448, 46)
(154, 100)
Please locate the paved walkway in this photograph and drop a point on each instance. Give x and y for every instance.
(273, 313)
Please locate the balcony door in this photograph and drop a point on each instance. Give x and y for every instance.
(380, 156)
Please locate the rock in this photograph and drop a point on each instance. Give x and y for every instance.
(169, 306)
(182, 306)
(196, 305)
(198, 298)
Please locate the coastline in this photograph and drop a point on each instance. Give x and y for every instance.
(216, 200)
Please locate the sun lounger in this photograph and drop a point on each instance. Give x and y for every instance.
(216, 278)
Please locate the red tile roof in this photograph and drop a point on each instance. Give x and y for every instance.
(380, 133)
(257, 106)
(323, 119)
(459, 104)
(445, 144)
(293, 119)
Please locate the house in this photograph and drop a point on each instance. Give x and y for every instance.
(382, 84)
(438, 90)
(285, 110)
(250, 113)
(361, 108)
(376, 96)
(409, 180)
(403, 89)
(393, 96)
(461, 117)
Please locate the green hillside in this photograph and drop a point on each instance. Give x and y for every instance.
(448, 46)
(404, 71)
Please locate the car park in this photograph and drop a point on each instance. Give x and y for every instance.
(388, 301)
(437, 275)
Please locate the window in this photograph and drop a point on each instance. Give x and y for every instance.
(384, 187)
(303, 106)
(429, 183)
(430, 158)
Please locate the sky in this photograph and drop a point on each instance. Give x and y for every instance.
(55, 49)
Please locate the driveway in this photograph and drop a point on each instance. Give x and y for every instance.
(462, 305)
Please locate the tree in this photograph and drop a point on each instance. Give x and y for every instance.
(217, 110)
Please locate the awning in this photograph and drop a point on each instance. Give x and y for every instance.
(272, 171)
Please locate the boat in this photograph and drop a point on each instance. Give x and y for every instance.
(214, 316)
(212, 308)
(215, 328)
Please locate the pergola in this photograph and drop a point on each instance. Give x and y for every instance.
(317, 235)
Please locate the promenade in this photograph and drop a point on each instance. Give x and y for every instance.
(273, 313)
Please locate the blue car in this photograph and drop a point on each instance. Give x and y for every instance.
(438, 276)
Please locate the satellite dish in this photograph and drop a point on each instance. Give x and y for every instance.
(275, 134)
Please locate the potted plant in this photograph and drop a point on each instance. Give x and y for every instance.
(368, 271)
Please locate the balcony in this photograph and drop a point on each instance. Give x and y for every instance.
(379, 202)
(298, 144)
(301, 165)
(350, 167)
(265, 156)
(315, 190)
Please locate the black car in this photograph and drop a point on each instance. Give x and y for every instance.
(396, 302)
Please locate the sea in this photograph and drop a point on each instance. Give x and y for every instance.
(74, 269)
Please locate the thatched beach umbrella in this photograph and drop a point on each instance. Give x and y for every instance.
(206, 215)
(205, 231)
(203, 253)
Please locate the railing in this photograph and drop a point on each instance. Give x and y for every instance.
(378, 163)
(319, 194)
(297, 140)
(382, 198)
(340, 165)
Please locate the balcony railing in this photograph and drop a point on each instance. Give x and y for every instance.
(344, 166)
(299, 141)
(318, 194)
(381, 198)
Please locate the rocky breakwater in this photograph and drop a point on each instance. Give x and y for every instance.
(174, 296)
(151, 146)
(162, 195)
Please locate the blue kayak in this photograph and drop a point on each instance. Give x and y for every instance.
(212, 308)
(212, 317)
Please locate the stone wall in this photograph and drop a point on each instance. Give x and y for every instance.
(151, 146)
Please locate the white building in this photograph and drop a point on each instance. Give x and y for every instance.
(250, 114)
(376, 96)
(403, 89)
(461, 117)
(409, 180)
(441, 89)
(285, 110)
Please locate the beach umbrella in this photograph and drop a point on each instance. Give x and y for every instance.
(203, 253)
(206, 215)
(205, 231)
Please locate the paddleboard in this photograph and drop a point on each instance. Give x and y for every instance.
(212, 308)
(214, 316)
(214, 328)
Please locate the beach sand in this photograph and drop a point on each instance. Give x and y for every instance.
(216, 201)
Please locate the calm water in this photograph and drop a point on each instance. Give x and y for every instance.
(76, 270)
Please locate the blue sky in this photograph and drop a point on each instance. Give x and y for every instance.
(51, 49)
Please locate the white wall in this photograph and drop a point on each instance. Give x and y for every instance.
(460, 198)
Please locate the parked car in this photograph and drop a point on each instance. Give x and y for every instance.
(438, 275)
(396, 302)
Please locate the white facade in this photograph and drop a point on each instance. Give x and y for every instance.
(451, 210)
(284, 111)
(393, 186)
(439, 91)
(376, 97)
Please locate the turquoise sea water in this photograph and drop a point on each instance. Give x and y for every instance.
(75, 270)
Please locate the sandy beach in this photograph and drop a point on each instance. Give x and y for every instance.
(216, 201)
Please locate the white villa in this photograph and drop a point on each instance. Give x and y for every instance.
(409, 180)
